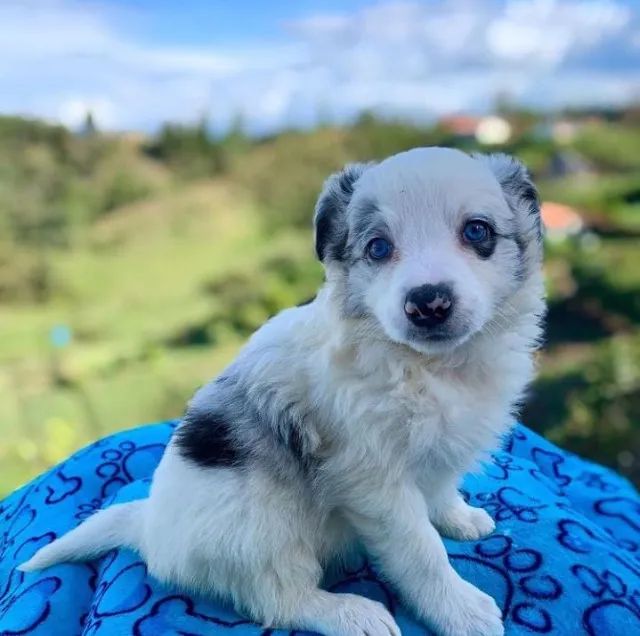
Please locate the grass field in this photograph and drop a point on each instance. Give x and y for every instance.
(148, 326)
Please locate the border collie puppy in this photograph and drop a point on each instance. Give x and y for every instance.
(351, 420)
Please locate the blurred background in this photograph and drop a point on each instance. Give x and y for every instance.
(159, 163)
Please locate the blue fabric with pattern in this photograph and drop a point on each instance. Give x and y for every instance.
(564, 559)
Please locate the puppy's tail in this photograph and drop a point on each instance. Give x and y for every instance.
(116, 526)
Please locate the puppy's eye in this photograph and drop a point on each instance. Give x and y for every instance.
(476, 231)
(379, 249)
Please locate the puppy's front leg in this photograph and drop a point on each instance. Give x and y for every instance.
(395, 526)
(453, 516)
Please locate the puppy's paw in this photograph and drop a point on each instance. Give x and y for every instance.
(359, 616)
(470, 612)
(464, 522)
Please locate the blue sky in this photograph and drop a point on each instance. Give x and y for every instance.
(138, 63)
(202, 22)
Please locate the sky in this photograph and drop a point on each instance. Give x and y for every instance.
(277, 63)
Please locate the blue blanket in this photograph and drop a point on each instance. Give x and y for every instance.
(565, 558)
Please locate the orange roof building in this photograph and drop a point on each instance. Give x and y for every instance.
(561, 221)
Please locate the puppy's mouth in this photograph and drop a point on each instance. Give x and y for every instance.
(439, 339)
(440, 335)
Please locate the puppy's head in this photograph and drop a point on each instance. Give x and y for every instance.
(430, 243)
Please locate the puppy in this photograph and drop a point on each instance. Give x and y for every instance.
(350, 421)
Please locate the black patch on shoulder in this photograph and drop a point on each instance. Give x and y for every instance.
(205, 439)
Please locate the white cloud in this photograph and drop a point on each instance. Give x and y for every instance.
(418, 59)
(546, 31)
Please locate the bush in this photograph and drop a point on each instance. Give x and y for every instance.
(190, 150)
(610, 147)
(596, 411)
(122, 188)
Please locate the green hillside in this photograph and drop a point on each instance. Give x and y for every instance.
(159, 256)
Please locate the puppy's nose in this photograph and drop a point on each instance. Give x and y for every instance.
(429, 305)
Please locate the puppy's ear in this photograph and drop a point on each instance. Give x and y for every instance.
(519, 191)
(330, 216)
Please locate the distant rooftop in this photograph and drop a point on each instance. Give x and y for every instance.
(561, 220)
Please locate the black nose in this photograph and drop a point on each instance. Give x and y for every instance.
(429, 305)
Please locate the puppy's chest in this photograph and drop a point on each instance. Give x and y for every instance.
(437, 420)
(439, 405)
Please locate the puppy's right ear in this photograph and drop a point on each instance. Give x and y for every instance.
(331, 212)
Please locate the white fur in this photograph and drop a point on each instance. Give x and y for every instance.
(395, 426)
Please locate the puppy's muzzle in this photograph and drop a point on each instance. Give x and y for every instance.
(429, 305)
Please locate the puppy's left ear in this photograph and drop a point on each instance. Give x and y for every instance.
(519, 192)
(330, 218)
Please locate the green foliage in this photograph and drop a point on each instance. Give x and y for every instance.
(17, 133)
(190, 150)
(25, 274)
(285, 173)
(372, 138)
(123, 187)
(596, 405)
(611, 146)
(53, 187)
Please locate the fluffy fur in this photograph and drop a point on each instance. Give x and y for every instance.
(342, 424)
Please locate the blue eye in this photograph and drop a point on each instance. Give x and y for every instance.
(476, 231)
(379, 249)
